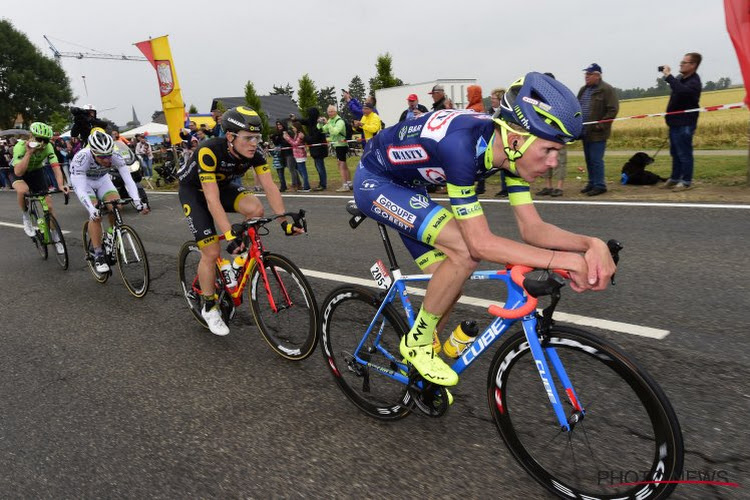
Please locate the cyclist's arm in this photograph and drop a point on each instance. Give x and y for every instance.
(21, 158)
(85, 194)
(542, 234)
(55, 164)
(273, 195)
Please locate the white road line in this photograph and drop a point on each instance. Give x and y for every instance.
(615, 326)
(20, 226)
(538, 202)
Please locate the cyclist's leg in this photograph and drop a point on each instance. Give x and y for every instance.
(22, 189)
(417, 216)
(242, 201)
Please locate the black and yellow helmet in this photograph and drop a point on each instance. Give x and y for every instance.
(241, 118)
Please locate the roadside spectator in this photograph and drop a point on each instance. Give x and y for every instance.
(145, 156)
(686, 94)
(474, 96)
(449, 103)
(370, 122)
(202, 134)
(4, 167)
(287, 158)
(278, 165)
(316, 141)
(355, 107)
(496, 97)
(297, 140)
(598, 102)
(557, 173)
(335, 128)
(117, 137)
(217, 131)
(438, 97)
(413, 109)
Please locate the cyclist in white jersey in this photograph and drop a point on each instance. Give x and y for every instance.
(89, 175)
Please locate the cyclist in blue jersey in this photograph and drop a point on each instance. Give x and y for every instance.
(539, 116)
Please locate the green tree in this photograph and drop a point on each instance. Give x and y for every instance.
(30, 84)
(308, 96)
(193, 110)
(709, 86)
(384, 77)
(284, 90)
(59, 121)
(326, 97)
(252, 100)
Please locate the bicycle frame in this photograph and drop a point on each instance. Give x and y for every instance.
(41, 223)
(114, 209)
(483, 341)
(255, 254)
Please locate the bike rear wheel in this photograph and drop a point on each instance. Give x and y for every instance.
(291, 330)
(132, 261)
(57, 239)
(345, 315)
(629, 433)
(88, 251)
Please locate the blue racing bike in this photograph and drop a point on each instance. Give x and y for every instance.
(567, 404)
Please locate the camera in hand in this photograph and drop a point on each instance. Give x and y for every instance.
(660, 68)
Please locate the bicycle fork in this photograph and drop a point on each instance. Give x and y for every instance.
(541, 354)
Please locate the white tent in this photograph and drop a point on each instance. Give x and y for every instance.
(152, 129)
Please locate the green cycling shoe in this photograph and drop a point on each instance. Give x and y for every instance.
(428, 364)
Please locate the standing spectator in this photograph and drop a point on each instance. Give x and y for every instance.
(316, 141)
(370, 122)
(145, 156)
(335, 128)
(355, 107)
(438, 97)
(61, 151)
(413, 110)
(449, 103)
(278, 165)
(4, 167)
(117, 137)
(217, 131)
(557, 173)
(686, 94)
(287, 158)
(598, 102)
(474, 96)
(297, 140)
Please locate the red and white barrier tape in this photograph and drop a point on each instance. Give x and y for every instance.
(719, 107)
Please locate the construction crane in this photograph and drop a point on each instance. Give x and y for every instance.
(91, 55)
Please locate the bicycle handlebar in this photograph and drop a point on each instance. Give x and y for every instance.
(42, 194)
(517, 275)
(240, 228)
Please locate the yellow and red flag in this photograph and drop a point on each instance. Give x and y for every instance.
(737, 14)
(159, 54)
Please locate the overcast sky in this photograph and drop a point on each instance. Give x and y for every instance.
(219, 46)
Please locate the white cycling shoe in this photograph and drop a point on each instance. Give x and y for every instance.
(27, 227)
(100, 264)
(214, 321)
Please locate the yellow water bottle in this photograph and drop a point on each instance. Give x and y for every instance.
(461, 338)
(237, 264)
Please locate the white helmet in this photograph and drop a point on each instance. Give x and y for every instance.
(89, 107)
(101, 143)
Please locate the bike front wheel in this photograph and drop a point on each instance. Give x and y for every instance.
(187, 271)
(58, 241)
(290, 324)
(364, 374)
(132, 261)
(625, 445)
(88, 251)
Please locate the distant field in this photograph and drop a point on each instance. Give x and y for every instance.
(716, 130)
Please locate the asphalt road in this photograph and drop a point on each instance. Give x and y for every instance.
(107, 396)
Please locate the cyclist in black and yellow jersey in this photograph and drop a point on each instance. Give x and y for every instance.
(207, 194)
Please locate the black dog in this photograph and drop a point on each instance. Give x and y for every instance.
(634, 171)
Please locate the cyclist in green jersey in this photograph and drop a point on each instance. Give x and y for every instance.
(27, 174)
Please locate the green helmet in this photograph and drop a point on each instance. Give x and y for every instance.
(39, 129)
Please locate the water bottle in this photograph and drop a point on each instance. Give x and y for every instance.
(41, 224)
(462, 337)
(238, 263)
(228, 273)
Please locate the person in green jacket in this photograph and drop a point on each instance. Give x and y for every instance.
(335, 128)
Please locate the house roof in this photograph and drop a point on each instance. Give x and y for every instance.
(276, 107)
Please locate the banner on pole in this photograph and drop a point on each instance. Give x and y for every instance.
(159, 54)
